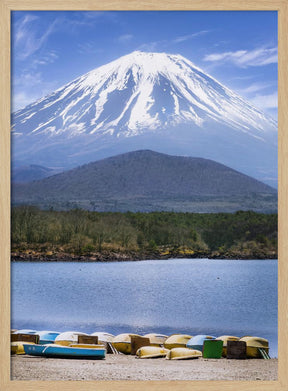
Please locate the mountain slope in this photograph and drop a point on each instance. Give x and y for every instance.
(146, 100)
(30, 173)
(146, 180)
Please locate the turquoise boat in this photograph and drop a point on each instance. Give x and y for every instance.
(60, 351)
(197, 341)
(47, 337)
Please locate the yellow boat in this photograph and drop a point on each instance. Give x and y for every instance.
(67, 338)
(18, 348)
(122, 342)
(151, 352)
(183, 354)
(14, 348)
(253, 346)
(225, 339)
(156, 339)
(177, 341)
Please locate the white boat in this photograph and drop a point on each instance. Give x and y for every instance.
(103, 336)
(68, 337)
(156, 339)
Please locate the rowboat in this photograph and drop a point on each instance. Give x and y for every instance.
(156, 339)
(46, 337)
(151, 352)
(256, 347)
(14, 348)
(177, 341)
(183, 354)
(68, 338)
(225, 339)
(122, 342)
(61, 351)
(17, 347)
(198, 341)
(103, 337)
(25, 331)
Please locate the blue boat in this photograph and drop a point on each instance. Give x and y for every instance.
(47, 337)
(59, 351)
(197, 341)
(25, 331)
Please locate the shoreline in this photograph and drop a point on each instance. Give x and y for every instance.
(120, 257)
(122, 367)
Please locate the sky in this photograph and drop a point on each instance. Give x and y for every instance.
(52, 48)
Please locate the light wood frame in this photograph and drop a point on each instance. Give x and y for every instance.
(264, 5)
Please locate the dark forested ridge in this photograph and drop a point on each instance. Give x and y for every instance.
(85, 235)
(147, 181)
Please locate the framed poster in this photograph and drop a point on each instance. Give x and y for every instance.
(104, 98)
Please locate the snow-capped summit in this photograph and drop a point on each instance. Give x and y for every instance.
(160, 100)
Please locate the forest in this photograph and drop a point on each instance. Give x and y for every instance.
(106, 236)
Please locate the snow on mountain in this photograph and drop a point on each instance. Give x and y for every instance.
(155, 100)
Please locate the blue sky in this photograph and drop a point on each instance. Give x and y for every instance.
(238, 48)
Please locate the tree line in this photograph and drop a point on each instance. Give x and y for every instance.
(82, 232)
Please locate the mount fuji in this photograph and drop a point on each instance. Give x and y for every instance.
(150, 101)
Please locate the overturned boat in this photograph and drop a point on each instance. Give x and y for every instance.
(151, 352)
(68, 338)
(122, 342)
(256, 347)
(225, 339)
(156, 339)
(46, 337)
(177, 341)
(197, 341)
(183, 354)
(61, 351)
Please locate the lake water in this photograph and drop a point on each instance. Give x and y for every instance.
(191, 296)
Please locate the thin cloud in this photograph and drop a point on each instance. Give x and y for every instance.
(89, 47)
(125, 38)
(245, 58)
(29, 87)
(89, 18)
(265, 102)
(255, 87)
(184, 38)
(164, 43)
(30, 37)
(151, 46)
(49, 58)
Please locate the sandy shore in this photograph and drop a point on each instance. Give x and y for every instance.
(121, 367)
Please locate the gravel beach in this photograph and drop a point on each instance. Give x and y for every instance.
(122, 367)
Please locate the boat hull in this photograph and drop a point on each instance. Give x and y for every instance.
(151, 352)
(225, 339)
(183, 354)
(122, 342)
(67, 338)
(197, 342)
(55, 351)
(253, 344)
(156, 339)
(47, 337)
(177, 341)
(17, 347)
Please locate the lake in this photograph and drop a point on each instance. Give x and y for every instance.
(191, 296)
